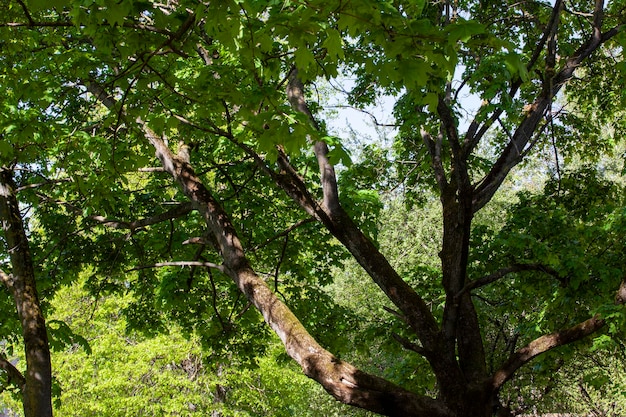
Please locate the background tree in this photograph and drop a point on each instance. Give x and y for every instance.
(35, 384)
(221, 93)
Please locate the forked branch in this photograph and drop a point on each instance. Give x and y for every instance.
(339, 223)
(210, 265)
(295, 94)
(518, 146)
(503, 272)
(339, 378)
(542, 345)
(179, 211)
(476, 130)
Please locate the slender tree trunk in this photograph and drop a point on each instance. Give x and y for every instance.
(37, 386)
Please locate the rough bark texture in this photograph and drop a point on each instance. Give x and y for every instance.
(37, 383)
(453, 347)
(543, 344)
(340, 379)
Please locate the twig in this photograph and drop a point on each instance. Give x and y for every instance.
(283, 233)
(26, 12)
(220, 268)
(214, 302)
(277, 270)
(41, 184)
(503, 272)
(407, 344)
(179, 211)
(368, 113)
(395, 313)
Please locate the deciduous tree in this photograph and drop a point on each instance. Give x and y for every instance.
(223, 94)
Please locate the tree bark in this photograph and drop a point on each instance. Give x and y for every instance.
(454, 349)
(342, 380)
(331, 213)
(14, 374)
(37, 384)
(543, 344)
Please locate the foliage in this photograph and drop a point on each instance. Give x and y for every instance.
(122, 372)
(577, 236)
(250, 207)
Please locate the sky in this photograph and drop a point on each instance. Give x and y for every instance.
(349, 121)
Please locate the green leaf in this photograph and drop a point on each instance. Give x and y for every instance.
(6, 150)
(432, 101)
(339, 154)
(304, 58)
(333, 43)
(62, 336)
(515, 66)
(463, 30)
(39, 5)
(414, 72)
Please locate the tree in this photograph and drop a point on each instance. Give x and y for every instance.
(222, 94)
(36, 384)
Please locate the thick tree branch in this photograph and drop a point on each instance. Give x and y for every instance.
(14, 374)
(518, 145)
(598, 17)
(456, 202)
(551, 39)
(511, 155)
(551, 28)
(295, 94)
(460, 326)
(37, 391)
(366, 254)
(542, 345)
(340, 379)
(474, 135)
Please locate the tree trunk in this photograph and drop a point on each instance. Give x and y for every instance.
(37, 387)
